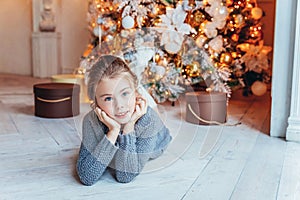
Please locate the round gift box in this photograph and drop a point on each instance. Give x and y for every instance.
(211, 107)
(56, 100)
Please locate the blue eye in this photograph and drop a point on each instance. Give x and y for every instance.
(125, 94)
(108, 99)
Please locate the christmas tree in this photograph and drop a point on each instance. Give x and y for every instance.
(215, 44)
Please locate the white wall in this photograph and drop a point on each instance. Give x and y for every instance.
(74, 32)
(16, 29)
(15, 32)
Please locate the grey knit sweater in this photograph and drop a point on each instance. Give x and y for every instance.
(127, 156)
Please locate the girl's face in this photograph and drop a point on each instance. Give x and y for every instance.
(117, 98)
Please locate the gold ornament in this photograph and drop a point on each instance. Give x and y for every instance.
(217, 65)
(193, 70)
(259, 88)
(229, 3)
(178, 62)
(235, 37)
(156, 21)
(256, 13)
(198, 18)
(234, 54)
(226, 58)
(157, 58)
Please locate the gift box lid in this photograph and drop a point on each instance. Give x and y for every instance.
(67, 78)
(203, 96)
(56, 89)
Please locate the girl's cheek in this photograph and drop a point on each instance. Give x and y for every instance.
(133, 101)
(106, 107)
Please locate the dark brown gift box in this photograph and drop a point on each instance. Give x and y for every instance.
(210, 106)
(56, 100)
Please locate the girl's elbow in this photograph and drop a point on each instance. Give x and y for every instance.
(124, 177)
(86, 181)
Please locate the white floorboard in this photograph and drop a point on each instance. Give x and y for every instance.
(262, 171)
(289, 187)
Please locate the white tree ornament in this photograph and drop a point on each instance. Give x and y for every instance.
(174, 28)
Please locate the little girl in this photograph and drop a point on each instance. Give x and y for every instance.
(121, 132)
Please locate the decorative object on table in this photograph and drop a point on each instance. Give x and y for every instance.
(206, 108)
(56, 100)
(47, 24)
(75, 79)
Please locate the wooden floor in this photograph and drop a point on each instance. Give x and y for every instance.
(38, 155)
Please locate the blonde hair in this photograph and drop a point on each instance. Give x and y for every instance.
(108, 66)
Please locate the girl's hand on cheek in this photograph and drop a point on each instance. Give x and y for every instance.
(140, 110)
(109, 122)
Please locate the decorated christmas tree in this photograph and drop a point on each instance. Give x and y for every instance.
(214, 45)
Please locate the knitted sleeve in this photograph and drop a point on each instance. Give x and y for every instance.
(95, 154)
(148, 141)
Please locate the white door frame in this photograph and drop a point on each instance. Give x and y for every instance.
(284, 42)
(293, 130)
